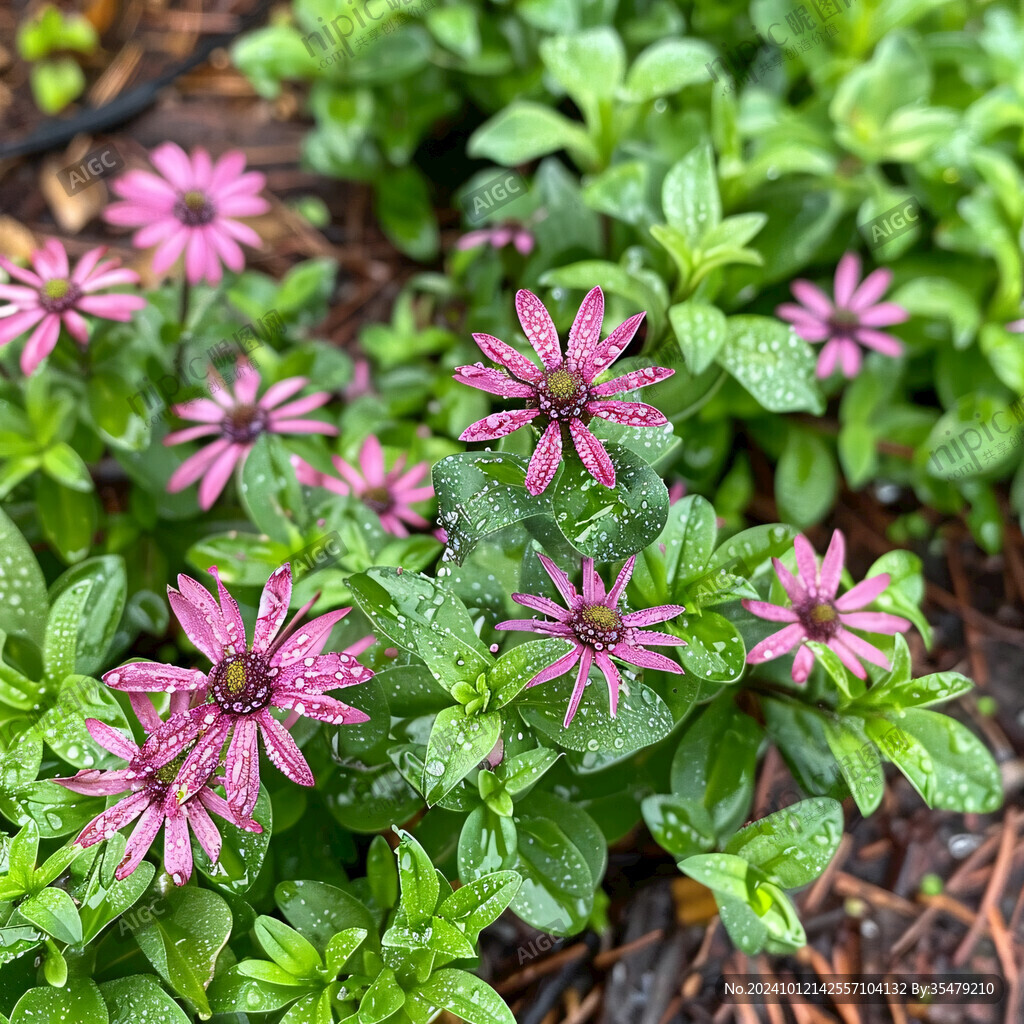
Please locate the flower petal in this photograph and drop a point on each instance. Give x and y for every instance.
(320, 707)
(586, 330)
(242, 766)
(613, 346)
(807, 563)
(777, 644)
(831, 570)
(870, 290)
(847, 276)
(112, 820)
(633, 380)
(538, 328)
(494, 382)
(543, 605)
(308, 640)
(630, 414)
(545, 460)
(177, 848)
(140, 840)
(283, 751)
(560, 666)
(649, 616)
(863, 593)
(771, 612)
(505, 355)
(875, 622)
(277, 593)
(498, 424)
(645, 659)
(586, 659)
(560, 580)
(612, 678)
(592, 454)
(142, 676)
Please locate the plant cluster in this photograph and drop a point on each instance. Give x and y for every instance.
(351, 659)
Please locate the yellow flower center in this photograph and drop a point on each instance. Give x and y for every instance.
(562, 384)
(57, 288)
(195, 200)
(824, 613)
(600, 617)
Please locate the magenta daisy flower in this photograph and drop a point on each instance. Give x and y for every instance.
(498, 237)
(191, 209)
(237, 421)
(598, 632)
(152, 799)
(563, 393)
(390, 494)
(817, 614)
(56, 295)
(280, 670)
(850, 321)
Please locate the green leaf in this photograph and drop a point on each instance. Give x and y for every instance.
(690, 197)
(270, 492)
(242, 853)
(642, 718)
(424, 617)
(589, 64)
(713, 767)
(101, 614)
(479, 493)
(23, 604)
(487, 844)
(381, 1000)
(114, 408)
(462, 994)
(68, 518)
(458, 743)
(54, 912)
(905, 592)
(480, 902)
(858, 761)
(522, 771)
(943, 760)
(138, 999)
(66, 466)
(515, 668)
(714, 650)
(60, 646)
(287, 948)
(63, 725)
(417, 879)
(184, 943)
(806, 480)
(56, 83)
(405, 212)
(604, 523)
(524, 131)
(772, 363)
(667, 66)
(79, 1002)
(22, 853)
(344, 943)
(792, 846)
(319, 911)
(679, 826)
(700, 330)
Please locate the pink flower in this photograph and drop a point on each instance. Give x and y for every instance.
(361, 383)
(152, 799)
(848, 323)
(191, 209)
(280, 670)
(677, 492)
(598, 632)
(56, 295)
(816, 614)
(238, 421)
(563, 393)
(390, 494)
(498, 237)
(1017, 326)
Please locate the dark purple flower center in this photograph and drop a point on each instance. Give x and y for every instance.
(843, 321)
(241, 685)
(59, 294)
(562, 394)
(819, 619)
(194, 209)
(377, 499)
(598, 626)
(244, 423)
